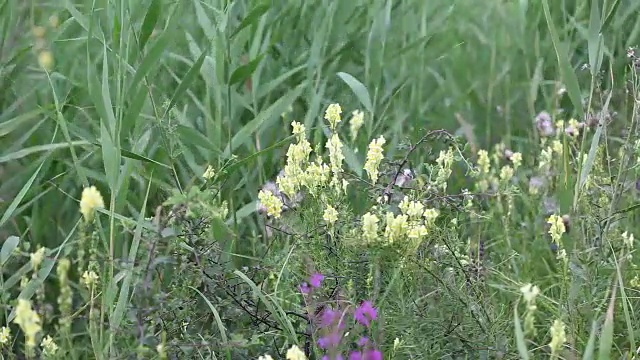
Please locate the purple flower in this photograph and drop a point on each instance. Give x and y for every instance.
(363, 341)
(330, 317)
(316, 280)
(365, 313)
(372, 355)
(355, 355)
(330, 341)
(304, 288)
(337, 357)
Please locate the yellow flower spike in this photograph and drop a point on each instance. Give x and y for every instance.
(29, 321)
(332, 115)
(294, 353)
(89, 202)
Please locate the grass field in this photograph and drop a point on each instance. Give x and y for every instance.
(293, 180)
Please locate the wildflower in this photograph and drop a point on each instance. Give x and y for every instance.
(89, 278)
(557, 228)
(417, 232)
(332, 115)
(370, 226)
(516, 160)
(209, 173)
(558, 337)
(444, 161)
(366, 355)
(535, 184)
(529, 292)
(484, 164)
(430, 215)
(557, 146)
(357, 119)
(374, 157)
(304, 288)
(37, 257)
(396, 226)
(5, 335)
(544, 124)
(365, 313)
(506, 173)
(90, 201)
(330, 317)
(331, 341)
(330, 215)
(49, 347)
(396, 343)
(413, 209)
(362, 341)
(628, 239)
(294, 353)
(265, 357)
(335, 154)
(29, 321)
(316, 280)
(271, 203)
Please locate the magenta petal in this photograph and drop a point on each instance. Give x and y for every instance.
(355, 355)
(316, 280)
(372, 355)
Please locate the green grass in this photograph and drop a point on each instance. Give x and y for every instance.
(144, 95)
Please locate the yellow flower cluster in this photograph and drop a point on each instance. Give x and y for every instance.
(330, 215)
(297, 159)
(357, 120)
(556, 229)
(413, 221)
(333, 115)
(370, 226)
(209, 173)
(294, 353)
(558, 337)
(374, 157)
(89, 202)
(49, 347)
(29, 321)
(272, 203)
(5, 335)
(444, 161)
(89, 279)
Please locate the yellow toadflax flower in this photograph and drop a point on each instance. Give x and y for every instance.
(557, 228)
(89, 278)
(49, 347)
(90, 201)
(332, 115)
(5, 335)
(209, 173)
(330, 215)
(265, 357)
(271, 203)
(370, 226)
(29, 322)
(294, 353)
(357, 119)
(374, 157)
(558, 338)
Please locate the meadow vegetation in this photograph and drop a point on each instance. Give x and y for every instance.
(366, 179)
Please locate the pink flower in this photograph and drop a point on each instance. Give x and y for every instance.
(363, 341)
(365, 313)
(330, 341)
(355, 355)
(372, 355)
(304, 288)
(316, 280)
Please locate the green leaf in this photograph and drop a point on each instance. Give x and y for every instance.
(186, 82)
(9, 126)
(8, 247)
(16, 201)
(595, 42)
(39, 148)
(591, 344)
(358, 89)
(245, 71)
(566, 70)
(520, 341)
(271, 113)
(606, 337)
(123, 300)
(253, 16)
(150, 21)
